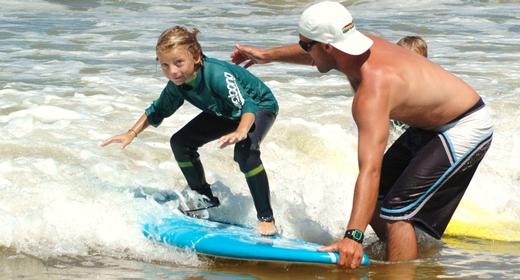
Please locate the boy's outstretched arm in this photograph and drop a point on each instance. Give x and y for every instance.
(126, 138)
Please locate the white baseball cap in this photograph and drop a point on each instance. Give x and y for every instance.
(331, 23)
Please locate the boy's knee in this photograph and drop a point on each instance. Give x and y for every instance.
(242, 162)
(176, 143)
(247, 160)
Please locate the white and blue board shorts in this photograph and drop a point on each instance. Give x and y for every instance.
(426, 172)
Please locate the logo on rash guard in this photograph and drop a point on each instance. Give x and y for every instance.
(233, 91)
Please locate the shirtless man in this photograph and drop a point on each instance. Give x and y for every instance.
(420, 180)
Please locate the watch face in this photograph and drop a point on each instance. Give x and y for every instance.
(358, 235)
(355, 234)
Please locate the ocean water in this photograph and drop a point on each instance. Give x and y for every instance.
(74, 73)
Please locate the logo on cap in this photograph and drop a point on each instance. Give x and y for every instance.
(347, 27)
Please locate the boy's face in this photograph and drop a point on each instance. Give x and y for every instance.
(178, 64)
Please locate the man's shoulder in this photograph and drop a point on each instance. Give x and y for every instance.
(380, 76)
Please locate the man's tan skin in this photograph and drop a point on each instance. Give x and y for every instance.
(390, 82)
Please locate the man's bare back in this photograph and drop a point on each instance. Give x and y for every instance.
(415, 86)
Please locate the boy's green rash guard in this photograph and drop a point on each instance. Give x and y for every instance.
(222, 89)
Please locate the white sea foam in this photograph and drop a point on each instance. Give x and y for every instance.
(14, 6)
(47, 113)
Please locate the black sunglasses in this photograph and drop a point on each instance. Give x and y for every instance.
(306, 46)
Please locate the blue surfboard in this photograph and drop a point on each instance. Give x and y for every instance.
(237, 242)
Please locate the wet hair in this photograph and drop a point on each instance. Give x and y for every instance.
(179, 36)
(414, 43)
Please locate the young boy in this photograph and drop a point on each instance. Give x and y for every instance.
(237, 108)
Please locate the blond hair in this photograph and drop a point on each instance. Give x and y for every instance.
(414, 43)
(179, 36)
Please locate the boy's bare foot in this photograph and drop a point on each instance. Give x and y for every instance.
(266, 228)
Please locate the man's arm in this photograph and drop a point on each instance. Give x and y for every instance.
(372, 119)
(252, 55)
(371, 113)
(370, 109)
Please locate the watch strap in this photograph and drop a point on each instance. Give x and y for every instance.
(355, 234)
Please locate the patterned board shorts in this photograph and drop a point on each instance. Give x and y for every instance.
(426, 172)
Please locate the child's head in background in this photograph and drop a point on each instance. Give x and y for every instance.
(414, 43)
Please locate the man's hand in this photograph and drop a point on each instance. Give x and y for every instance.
(250, 55)
(350, 253)
(124, 139)
(232, 138)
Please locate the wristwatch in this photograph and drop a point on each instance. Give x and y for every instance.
(354, 234)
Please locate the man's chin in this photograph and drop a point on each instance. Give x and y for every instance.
(323, 71)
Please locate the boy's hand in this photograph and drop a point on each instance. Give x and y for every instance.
(124, 139)
(232, 138)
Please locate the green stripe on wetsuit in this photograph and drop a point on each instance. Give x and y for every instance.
(184, 164)
(254, 171)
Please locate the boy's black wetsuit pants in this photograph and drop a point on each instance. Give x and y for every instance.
(205, 128)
